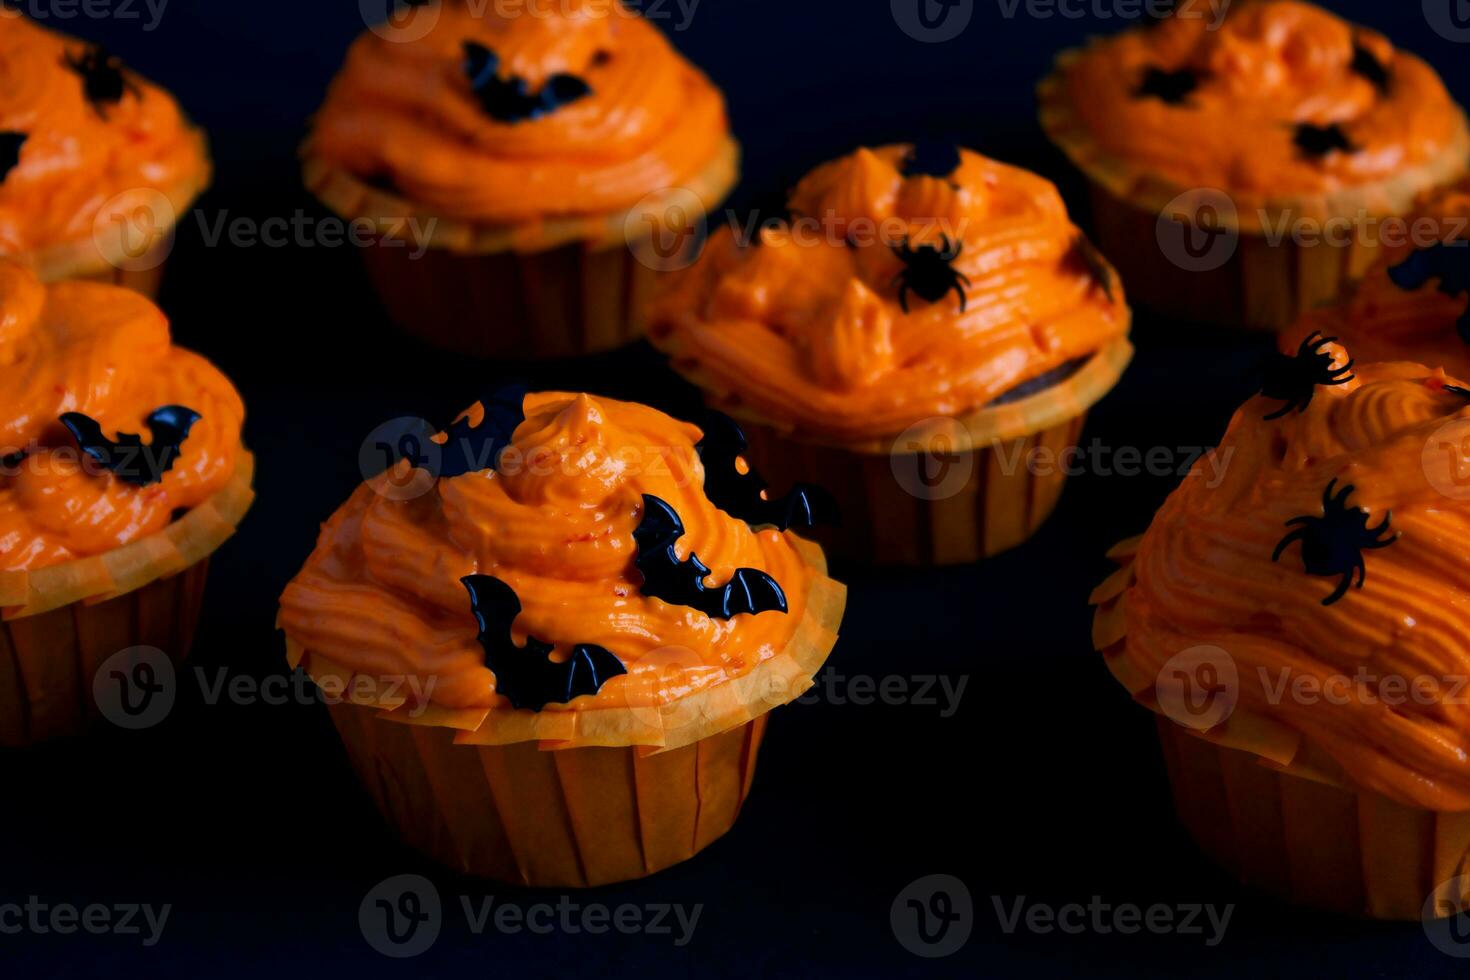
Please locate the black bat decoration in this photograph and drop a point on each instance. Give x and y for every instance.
(472, 449)
(1449, 262)
(511, 100)
(1366, 64)
(10, 146)
(12, 461)
(127, 457)
(1318, 141)
(1170, 87)
(103, 81)
(1458, 391)
(744, 495)
(932, 158)
(681, 583)
(526, 676)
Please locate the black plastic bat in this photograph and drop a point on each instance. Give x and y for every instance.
(127, 457)
(1318, 141)
(12, 461)
(1097, 266)
(682, 582)
(744, 495)
(472, 449)
(526, 676)
(103, 81)
(1449, 262)
(10, 147)
(932, 158)
(511, 100)
(1366, 64)
(1170, 87)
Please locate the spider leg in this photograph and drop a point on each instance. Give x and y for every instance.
(963, 299)
(1282, 413)
(1343, 375)
(1342, 498)
(903, 297)
(1327, 494)
(1340, 591)
(1378, 532)
(1288, 541)
(1362, 572)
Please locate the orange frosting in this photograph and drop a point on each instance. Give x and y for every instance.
(1381, 321)
(404, 111)
(381, 594)
(1205, 576)
(1271, 66)
(75, 157)
(104, 352)
(808, 330)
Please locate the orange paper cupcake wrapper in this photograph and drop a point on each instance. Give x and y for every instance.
(185, 542)
(573, 819)
(48, 662)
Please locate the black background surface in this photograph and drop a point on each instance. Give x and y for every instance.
(1047, 783)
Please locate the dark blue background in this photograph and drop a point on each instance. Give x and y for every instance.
(1046, 784)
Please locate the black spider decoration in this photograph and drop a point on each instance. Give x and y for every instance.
(1333, 544)
(1366, 64)
(1294, 379)
(744, 495)
(103, 81)
(1457, 391)
(12, 461)
(473, 449)
(1092, 260)
(929, 271)
(10, 146)
(1170, 87)
(511, 100)
(526, 676)
(1449, 262)
(127, 457)
(1318, 141)
(681, 583)
(932, 158)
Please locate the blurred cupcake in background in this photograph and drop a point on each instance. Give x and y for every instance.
(121, 472)
(515, 162)
(1299, 626)
(926, 327)
(96, 164)
(1239, 168)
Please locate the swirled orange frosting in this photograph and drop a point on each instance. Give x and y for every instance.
(1382, 321)
(807, 327)
(1271, 65)
(404, 111)
(381, 594)
(1205, 576)
(104, 352)
(77, 155)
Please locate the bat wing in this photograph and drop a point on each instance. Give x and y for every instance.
(807, 506)
(744, 495)
(589, 668)
(126, 457)
(1413, 272)
(472, 449)
(750, 591)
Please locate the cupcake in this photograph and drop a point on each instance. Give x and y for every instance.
(924, 334)
(96, 164)
(1297, 621)
(121, 472)
(1411, 306)
(526, 171)
(1275, 140)
(550, 640)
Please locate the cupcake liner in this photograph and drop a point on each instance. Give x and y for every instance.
(1282, 816)
(1261, 286)
(571, 819)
